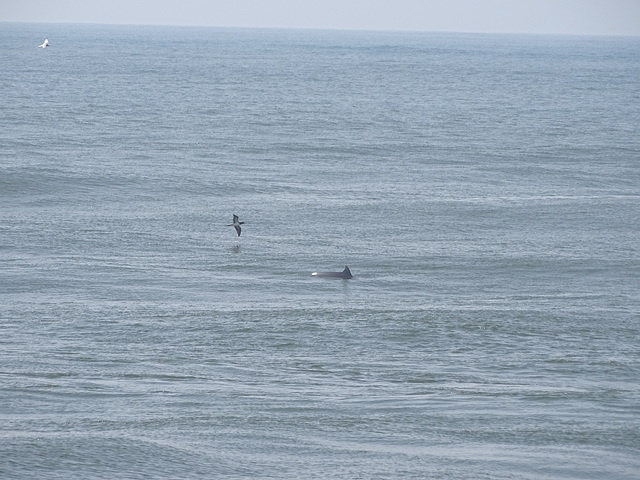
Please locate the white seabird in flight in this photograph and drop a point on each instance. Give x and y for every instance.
(45, 44)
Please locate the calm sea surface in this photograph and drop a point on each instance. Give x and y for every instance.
(484, 190)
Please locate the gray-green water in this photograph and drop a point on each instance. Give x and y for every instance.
(484, 190)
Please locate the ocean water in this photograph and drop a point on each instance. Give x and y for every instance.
(483, 189)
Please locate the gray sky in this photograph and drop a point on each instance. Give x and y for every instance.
(597, 17)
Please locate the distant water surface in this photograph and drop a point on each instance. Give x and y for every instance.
(484, 190)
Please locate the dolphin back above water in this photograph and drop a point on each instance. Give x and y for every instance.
(346, 274)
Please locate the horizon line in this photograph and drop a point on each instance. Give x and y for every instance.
(333, 29)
